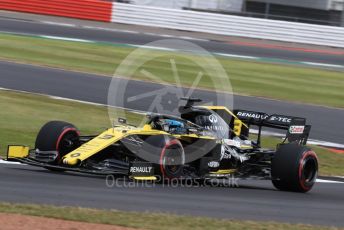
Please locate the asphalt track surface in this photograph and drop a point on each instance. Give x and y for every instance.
(38, 28)
(252, 200)
(326, 122)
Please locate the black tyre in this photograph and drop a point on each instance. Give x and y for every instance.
(294, 168)
(58, 136)
(167, 153)
(172, 159)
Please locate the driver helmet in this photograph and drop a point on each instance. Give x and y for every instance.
(173, 125)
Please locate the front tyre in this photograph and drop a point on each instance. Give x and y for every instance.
(58, 136)
(294, 168)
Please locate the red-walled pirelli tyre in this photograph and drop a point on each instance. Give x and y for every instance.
(58, 136)
(168, 155)
(172, 159)
(294, 168)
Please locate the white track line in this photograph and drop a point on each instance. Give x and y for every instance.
(167, 36)
(323, 64)
(152, 47)
(59, 24)
(92, 103)
(66, 39)
(325, 143)
(74, 100)
(329, 181)
(100, 28)
(10, 162)
(195, 39)
(236, 56)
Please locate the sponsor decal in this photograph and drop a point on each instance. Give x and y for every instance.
(231, 142)
(106, 137)
(214, 127)
(296, 129)
(213, 164)
(213, 118)
(252, 115)
(134, 139)
(75, 155)
(140, 169)
(280, 119)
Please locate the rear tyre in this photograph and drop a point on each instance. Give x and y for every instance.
(58, 136)
(294, 168)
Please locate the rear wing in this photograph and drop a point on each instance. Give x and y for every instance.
(297, 130)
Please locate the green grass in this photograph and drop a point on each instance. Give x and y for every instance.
(26, 113)
(278, 81)
(147, 220)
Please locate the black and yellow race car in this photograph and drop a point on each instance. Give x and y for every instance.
(203, 143)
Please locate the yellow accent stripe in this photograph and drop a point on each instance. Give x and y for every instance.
(224, 171)
(193, 136)
(145, 178)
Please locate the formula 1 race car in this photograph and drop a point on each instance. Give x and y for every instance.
(203, 143)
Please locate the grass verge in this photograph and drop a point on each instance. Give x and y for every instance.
(146, 220)
(292, 83)
(26, 113)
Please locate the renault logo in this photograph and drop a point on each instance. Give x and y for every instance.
(75, 154)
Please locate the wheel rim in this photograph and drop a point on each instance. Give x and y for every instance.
(309, 170)
(172, 159)
(67, 142)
